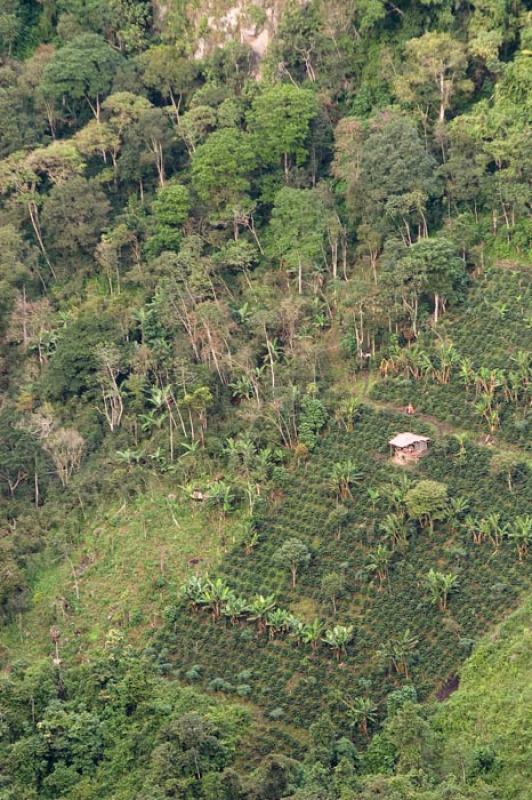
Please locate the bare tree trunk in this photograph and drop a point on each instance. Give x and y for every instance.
(442, 97)
(34, 218)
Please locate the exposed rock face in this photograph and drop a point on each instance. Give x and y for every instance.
(217, 22)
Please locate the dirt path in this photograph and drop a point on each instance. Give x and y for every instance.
(446, 429)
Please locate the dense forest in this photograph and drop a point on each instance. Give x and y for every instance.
(242, 246)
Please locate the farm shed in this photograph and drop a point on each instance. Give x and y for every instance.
(408, 446)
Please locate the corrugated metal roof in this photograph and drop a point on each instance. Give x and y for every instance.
(406, 439)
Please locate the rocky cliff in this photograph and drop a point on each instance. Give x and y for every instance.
(214, 23)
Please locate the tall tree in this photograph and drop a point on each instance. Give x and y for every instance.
(81, 70)
(169, 73)
(434, 71)
(280, 120)
(221, 170)
(297, 232)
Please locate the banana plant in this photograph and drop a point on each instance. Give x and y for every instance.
(221, 495)
(311, 634)
(129, 456)
(456, 511)
(338, 638)
(520, 532)
(216, 595)
(361, 712)
(194, 590)
(475, 527)
(494, 530)
(393, 528)
(296, 628)
(441, 585)
(277, 621)
(251, 537)
(377, 564)
(401, 649)
(344, 475)
(241, 388)
(259, 608)
(235, 608)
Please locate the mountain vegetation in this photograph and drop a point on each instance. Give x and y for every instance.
(241, 248)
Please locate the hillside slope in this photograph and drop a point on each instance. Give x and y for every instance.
(488, 720)
(243, 245)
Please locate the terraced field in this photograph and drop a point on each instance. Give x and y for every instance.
(283, 676)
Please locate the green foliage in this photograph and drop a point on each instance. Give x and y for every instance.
(221, 169)
(489, 712)
(293, 554)
(170, 209)
(74, 215)
(81, 70)
(73, 367)
(297, 231)
(280, 121)
(225, 276)
(426, 501)
(312, 418)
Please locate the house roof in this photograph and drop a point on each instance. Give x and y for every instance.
(406, 439)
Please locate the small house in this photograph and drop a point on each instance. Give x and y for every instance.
(408, 446)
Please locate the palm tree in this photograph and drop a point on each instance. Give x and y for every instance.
(361, 711)
(338, 638)
(377, 563)
(441, 585)
(521, 534)
(259, 607)
(344, 475)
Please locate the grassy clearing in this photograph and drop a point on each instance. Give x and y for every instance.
(127, 567)
(491, 713)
